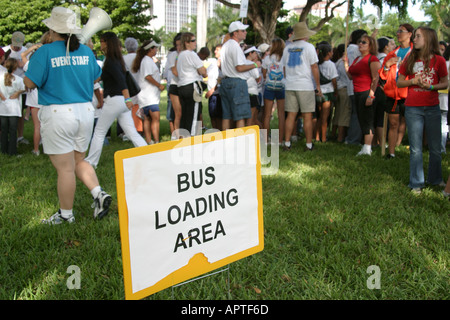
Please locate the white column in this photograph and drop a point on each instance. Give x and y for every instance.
(202, 19)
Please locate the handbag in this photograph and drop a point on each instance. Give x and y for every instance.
(133, 87)
(198, 91)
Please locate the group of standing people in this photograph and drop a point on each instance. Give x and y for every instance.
(408, 81)
(404, 82)
(304, 82)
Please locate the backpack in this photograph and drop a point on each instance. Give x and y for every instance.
(274, 78)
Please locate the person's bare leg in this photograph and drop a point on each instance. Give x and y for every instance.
(85, 172)
(66, 183)
(281, 119)
(155, 116)
(308, 126)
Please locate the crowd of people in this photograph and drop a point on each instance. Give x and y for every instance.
(324, 93)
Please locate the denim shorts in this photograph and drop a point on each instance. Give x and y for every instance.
(235, 99)
(215, 106)
(274, 95)
(152, 108)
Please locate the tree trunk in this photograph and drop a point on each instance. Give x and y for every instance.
(264, 15)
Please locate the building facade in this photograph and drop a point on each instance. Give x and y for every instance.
(174, 14)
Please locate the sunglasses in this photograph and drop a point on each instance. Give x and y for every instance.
(362, 42)
(193, 40)
(402, 31)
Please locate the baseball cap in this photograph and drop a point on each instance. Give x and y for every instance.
(237, 25)
(17, 39)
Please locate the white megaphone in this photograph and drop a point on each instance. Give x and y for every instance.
(98, 20)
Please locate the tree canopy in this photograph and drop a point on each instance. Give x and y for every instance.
(129, 17)
(264, 13)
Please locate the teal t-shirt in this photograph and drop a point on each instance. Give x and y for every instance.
(62, 79)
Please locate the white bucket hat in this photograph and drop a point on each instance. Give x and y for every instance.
(63, 20)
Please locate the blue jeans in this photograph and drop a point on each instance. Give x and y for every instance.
(418, 118)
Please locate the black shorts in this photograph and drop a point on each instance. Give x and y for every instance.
(254, 101)
(398, 109)
(173, 89)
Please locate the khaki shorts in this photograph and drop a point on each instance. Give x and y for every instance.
(343, 111)
(303, 101)
(67, 127)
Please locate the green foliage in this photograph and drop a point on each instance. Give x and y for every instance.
(129, 17)
(25, 16)
(439, 11)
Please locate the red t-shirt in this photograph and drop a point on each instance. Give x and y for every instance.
(418, 97)
(361, 74)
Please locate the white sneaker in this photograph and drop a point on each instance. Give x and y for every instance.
(22, 140)
(57, 218)
(101, 205)
(364, 152)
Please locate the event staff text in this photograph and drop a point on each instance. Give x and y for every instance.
(196, 208)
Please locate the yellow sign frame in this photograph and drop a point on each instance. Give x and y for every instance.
(198, 264)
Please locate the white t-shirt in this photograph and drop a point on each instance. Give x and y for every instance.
(328, 69)
(32, 95)
(231, 56)
(213, 74)
(352, 53)
(443, 95)
(272, 64)
(18, 56)
(11, 107)
(171, 59)
(187, 65)
(251, 81)
(149, 94)
(128, 58)
(298, 57)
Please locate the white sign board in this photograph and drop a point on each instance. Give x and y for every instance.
(244, 9)
(188, 198)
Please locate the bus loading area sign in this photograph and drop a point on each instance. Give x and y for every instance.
(188, 207)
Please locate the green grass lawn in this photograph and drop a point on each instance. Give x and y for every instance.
(328, 217)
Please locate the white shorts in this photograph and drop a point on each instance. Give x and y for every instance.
(66, 127)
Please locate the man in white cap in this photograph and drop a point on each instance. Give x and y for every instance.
(233, 88)
(300, 64)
